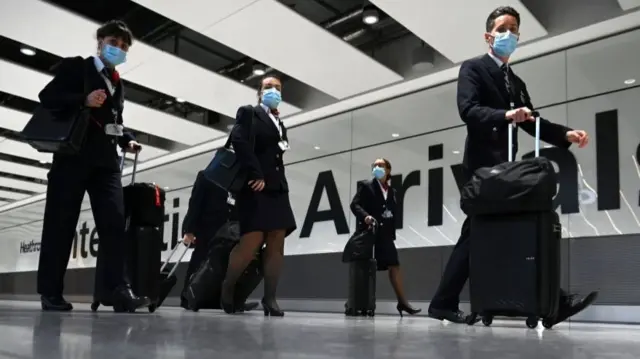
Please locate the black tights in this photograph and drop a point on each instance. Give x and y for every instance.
(244, 253)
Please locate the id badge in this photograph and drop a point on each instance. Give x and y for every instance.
(387, 214)
(113, 129)
(231, 201)
(284, 145)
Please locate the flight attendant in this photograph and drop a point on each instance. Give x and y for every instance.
(259, 139)
(95, 169)
(375, 201)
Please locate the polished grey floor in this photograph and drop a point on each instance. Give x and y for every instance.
(170, 333)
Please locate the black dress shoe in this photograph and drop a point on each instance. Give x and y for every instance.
(55, 304)
(454, 316)
(124, 300)
(401, 307)
(571, 305)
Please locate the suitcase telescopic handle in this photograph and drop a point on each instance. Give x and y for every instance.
(513, 126)
(166, 263)
(135, 164)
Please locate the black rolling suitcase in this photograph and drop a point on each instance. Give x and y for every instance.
(144, 213)
(515, 245)
(205, 285)
(361, 300)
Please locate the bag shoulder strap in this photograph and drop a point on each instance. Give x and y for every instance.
(252, 134)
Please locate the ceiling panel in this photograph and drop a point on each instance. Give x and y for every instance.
(628, 4)
(22, 185)
(288, 42)
(27, 83)
(431, 20)
(12, 195)
(23, 170)
(20, 149)
(16, 120)
(146, 66)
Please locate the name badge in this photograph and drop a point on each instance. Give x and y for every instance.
(284, 145)
(113, 129)
(231, 200)
(387, 214)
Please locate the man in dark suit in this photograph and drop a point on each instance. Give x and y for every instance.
(490, 98)
(93, 83)
(210, 207)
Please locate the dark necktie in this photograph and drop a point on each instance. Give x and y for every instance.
(507, 83)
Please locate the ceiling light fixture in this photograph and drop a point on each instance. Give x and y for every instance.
(27, 51)
(259, 69)
(395, 135)
(44, 162)
(370, 14)
(456, 152)
(316, 147)
(629, 81)
(179, 100)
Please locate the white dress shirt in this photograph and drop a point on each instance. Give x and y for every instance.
(273, 118)
(100, 66)
(385, 191)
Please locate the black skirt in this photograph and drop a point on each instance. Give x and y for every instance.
(264, 211)
(386, 253)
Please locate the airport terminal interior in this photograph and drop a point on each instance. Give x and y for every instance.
(361, 80)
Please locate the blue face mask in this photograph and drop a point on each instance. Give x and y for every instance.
(113, 55)
(271, 97)
(505, 43)
(378, 172)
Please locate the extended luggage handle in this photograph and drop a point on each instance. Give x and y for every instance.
(135, 164)
(173, 252)
(513, 126)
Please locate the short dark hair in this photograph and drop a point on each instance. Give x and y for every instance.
(502, 10)
(267, 76)
(115, 28)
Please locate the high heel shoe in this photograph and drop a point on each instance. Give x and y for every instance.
(226, 299)
(401, 307)
(271, 310)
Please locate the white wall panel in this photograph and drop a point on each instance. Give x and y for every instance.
(12, 195)
(455, 27)
(23, 170)
(21, 149)
(145, 65)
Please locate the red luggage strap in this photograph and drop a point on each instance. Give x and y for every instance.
(158, 203)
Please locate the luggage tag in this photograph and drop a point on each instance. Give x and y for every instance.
(284, 145)
(113, 129)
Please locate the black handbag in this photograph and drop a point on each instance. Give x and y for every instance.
(360, 246)
(58, 131)
(224, 170)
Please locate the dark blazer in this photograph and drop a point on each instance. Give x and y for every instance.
(369, 201)
(208, 209)
(66, 91)
(264, 160)
(483, 101)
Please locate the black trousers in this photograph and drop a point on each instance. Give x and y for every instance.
(456, 273)
(68, 181)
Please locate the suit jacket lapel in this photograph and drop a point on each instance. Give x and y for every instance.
(497, 75)
(264, 116)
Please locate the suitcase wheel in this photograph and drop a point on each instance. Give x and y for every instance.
(371, 313)
(532, 322)
(472, 319)
(350, 312)
(94, 306)
(547, 323)
(487, 320)
(152, 308)
(195, 310)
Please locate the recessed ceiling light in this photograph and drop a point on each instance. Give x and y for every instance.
(316, 147)
(179, 100)
(547, 146)
(27, 51)
(629, 81)
(258, 72)
(456, 152)
(370, 20)
(395, 135)
(44, 162)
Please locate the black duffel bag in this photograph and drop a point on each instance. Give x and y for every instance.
(511, 187)
(359, 246)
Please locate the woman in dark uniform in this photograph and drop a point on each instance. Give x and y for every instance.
(375, 202)
(260, 139)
